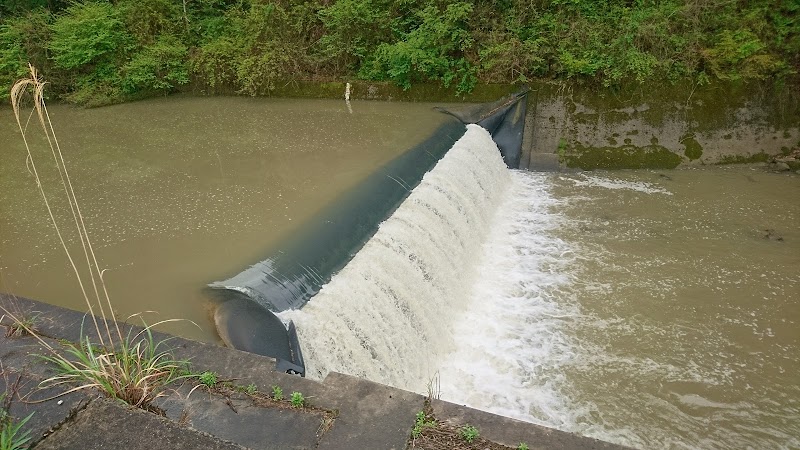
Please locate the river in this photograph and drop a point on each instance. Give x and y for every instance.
(657, 309)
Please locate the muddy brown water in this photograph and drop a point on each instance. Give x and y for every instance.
(653, 309)
(688, 288)
(180, 192)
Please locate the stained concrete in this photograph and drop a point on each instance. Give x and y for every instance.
(347, 413)
(238, 418)
(718, 123)
(106, 424)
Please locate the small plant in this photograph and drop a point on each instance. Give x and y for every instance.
(297, 399)
(12, 437)
(421, 423)
(277, 393)
(21, 326)
(208, 379)
(468, 433)
(522, 446)
(250, 389)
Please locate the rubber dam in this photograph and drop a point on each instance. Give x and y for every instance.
(389, 258)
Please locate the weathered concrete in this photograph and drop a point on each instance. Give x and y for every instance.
(659, 126)
(238, 418)
(512, 432)
(106, 424)
(349, 412)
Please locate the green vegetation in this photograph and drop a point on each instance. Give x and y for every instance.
(98, 52)
(208, 379)
(422, 422)
(20, 325)
(297, 400)
(522, 446)
(277, 393)
(135, 370)
(12, 435)
(468, 433)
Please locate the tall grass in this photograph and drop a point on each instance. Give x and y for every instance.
(133, 367)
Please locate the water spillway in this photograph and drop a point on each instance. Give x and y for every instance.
(296, 270)
(394, 300)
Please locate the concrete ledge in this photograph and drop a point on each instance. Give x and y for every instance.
(351, 412)
(510, 432)
(106, 424)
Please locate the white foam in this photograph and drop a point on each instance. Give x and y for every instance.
(510, 339)
(607, 182)
(387, 315)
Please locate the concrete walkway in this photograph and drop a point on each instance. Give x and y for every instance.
(346, 412)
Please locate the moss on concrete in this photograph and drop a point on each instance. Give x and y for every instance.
(624, 157)
(743, 159)
(692, 149)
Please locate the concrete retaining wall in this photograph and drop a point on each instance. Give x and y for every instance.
(659, 126)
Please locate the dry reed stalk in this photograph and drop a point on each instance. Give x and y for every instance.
(131, 368)
(35, 86)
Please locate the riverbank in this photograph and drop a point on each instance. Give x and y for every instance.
(343, 411)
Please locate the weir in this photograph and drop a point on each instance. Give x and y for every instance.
(296, 270)
(394, 301)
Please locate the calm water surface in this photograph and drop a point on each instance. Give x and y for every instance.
(180, 192)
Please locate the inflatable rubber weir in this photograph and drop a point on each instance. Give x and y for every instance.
(295, 270)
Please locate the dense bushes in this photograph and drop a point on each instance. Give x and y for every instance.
(98, 51)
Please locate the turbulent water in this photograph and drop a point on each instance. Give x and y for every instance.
(391, 303)
(649, 309)
(653, 309)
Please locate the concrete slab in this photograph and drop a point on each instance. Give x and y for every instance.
(48, 408)
(370, 415)
(240, 419)
(510, 432)
(544, 162)
(105, 424)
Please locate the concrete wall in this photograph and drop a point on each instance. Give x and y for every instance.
(659, 126)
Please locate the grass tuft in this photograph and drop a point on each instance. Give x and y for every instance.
(136, 371)
(468, 433)
(12, 435)
(20, 325)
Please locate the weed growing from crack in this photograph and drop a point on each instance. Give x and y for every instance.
(208, 379)
(468, 433)
(20, 325)
(421, 423)
(297, 400)
(277, 393)
(12, 435)
(135, 371)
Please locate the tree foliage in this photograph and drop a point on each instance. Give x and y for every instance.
(97, 51)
